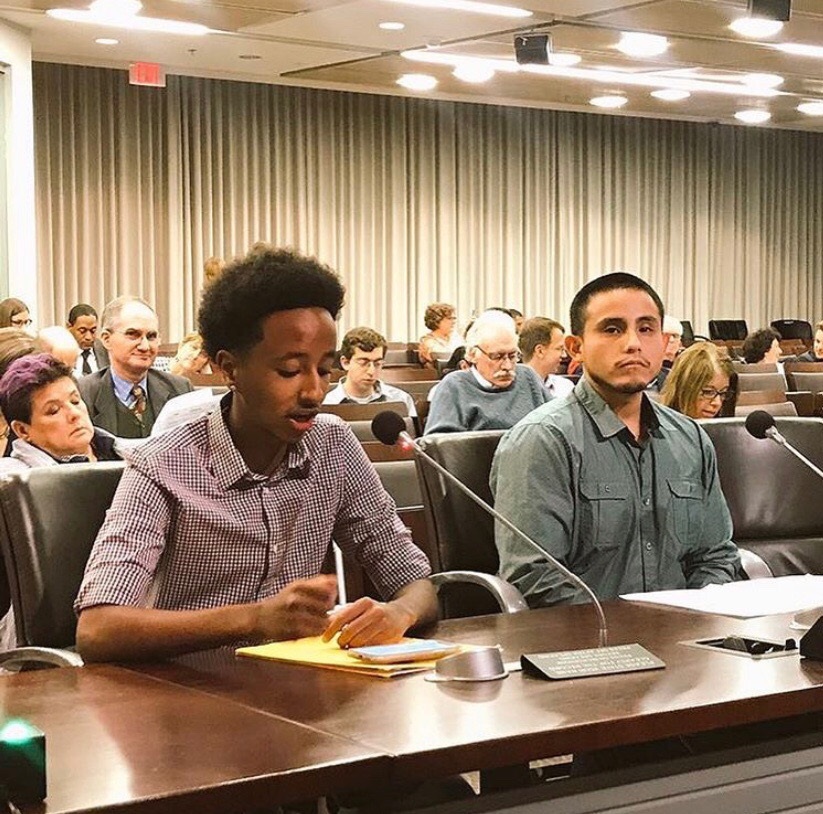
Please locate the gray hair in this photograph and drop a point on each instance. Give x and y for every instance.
(489, 322)
(113, 309)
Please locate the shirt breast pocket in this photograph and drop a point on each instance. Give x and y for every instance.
(606, 514)
(685, 516)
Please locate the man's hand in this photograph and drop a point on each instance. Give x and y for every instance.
(300, 609)
(368, 621)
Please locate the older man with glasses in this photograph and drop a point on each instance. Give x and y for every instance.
(496, 391)
(126, 397)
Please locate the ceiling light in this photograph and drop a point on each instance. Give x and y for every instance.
(763, 80)
(753, 116)
(564, 60)
(249, 56)
(389, 26)
(417, 81)
(756, 28)
(634, 44)
(468, 5)
(609, 102)
(439, 58)
(811, 108)
(107, 41)
(800, 49)
(474, 73)
(123, 14)
(671, 94)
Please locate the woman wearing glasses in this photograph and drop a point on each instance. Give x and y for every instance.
(14, 313)
(702, 383)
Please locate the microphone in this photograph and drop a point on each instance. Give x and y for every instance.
(761, 424)
(390, 429)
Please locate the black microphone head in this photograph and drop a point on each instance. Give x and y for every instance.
(758, 422)
(387, 426)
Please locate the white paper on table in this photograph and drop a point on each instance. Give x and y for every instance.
(745, 600)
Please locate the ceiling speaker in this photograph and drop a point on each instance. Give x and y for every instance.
(531, 49)
(771, 9)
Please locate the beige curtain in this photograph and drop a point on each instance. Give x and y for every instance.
(415, 200)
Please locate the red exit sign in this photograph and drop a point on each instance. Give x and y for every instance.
(147, 73)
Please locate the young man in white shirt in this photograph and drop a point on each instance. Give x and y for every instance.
(361, 356)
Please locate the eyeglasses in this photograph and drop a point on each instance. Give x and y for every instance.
(364, 363)
(20, 323)
(710, 394)
(513, 356)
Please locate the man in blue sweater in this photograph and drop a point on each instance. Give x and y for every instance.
(496, 391)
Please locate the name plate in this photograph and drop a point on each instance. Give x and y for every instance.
(596, 661)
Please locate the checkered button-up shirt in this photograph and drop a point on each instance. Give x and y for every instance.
(192, 527)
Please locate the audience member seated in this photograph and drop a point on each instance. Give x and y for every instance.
(361, 356)
(518, 318)
(60, 343)
(762, 347)
(702, 384)
(82, 322)
(14, 313)
(212, 269)
(496, 392)
(442, 338)
(219, 529)
(816, 352)
(623, 491)
(14, 343)
(40, 400)
(543, 345)
(126, 397)
(190, 358)
(673, 330)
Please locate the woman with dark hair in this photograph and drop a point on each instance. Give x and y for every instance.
(14, 313)
(41, 403)
(702, 384)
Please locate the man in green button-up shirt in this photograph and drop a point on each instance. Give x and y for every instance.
(623, 491)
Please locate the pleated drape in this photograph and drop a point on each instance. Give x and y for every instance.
(414, 200)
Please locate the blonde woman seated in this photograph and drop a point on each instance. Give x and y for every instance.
(442, 338)
(702, 383)
(40, 401)
(190, 358)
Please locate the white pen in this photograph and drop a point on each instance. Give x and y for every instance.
(341, 574)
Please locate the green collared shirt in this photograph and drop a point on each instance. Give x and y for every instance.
(624, 515)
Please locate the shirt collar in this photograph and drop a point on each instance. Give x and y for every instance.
(229, 467)
(123, 388)
(605, 418)
(486, 385)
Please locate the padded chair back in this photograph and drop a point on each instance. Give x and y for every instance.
(687, 338)
(49, 518)
(728, 329)
(794, 329)
(399, 479)
(461, 532)
(772, 495)
(807, 381)
(784, 408)
(362, 429)
(761, 381)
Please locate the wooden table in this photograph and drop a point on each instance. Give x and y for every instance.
(120, 741)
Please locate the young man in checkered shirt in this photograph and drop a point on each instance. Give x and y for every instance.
(219, 528)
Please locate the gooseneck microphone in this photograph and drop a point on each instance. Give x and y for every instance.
(761, 424)
(389, 428)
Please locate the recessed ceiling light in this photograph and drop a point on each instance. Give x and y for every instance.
(811, 108)
(756, 27)
(763, 80)
(417, 81)
(475, 72)
(561, 60)
(107, 41)
(124, 14)
(799, 49)
(248, 56)
(753, 116)
(671, 94)
(468, 5)
(634, 44)
(609, 102)
(390, 26)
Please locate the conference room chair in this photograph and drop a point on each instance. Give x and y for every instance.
(773, 497)
(49, 518)
(794, 329)
(747, 369)
(804, 379)
(417, 389)
(400, 375)
(461, 533)
(359, 416)
(761, 381)
(781, 408)
(728, 329)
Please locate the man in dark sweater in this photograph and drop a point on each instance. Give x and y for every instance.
(496, 391)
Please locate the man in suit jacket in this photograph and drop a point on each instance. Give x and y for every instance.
(126, 397)
(82, 323)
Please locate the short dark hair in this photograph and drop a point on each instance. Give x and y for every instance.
(367, 339)
(536, 331)
(82, 309)
(608, 282)
(264, 282)
(756, 345)
(23, 378)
